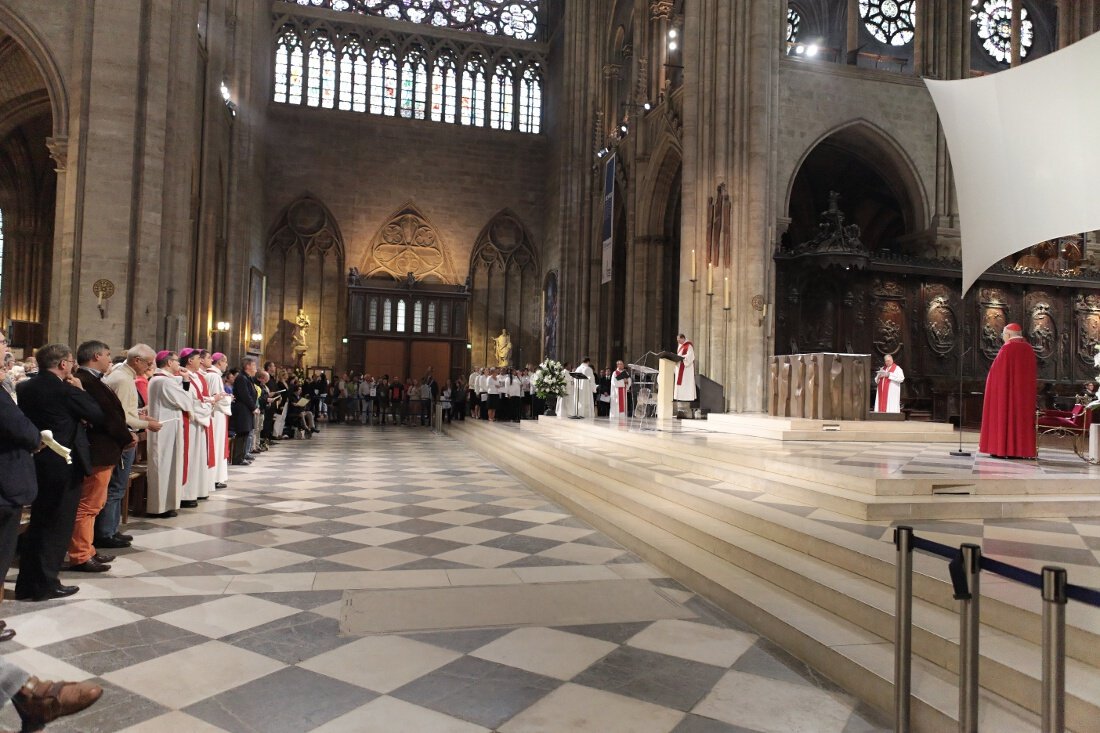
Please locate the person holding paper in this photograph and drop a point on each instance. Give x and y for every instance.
(685, 371)
(1008, 411)
(54, 400)
(198, 480)
(587, 387)
(620, 392)
(169, 402)
(888, 381)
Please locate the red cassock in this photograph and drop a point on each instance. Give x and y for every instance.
(1008, 415)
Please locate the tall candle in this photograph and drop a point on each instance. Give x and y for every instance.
(710, 279)
(726, 299)
(694, 273)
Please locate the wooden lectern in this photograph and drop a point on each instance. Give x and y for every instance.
(666, 384)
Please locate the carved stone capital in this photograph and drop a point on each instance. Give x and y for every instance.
(59, 151)
(660, 9)
(612, 71)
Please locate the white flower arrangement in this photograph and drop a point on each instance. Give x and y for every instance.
(549, 379)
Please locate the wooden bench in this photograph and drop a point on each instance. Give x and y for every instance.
(137, 489)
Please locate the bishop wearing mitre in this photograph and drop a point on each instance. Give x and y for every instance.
(685, 371)
(888, 386)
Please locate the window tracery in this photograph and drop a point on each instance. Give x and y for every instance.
(794, 22)
(383, 73)
(409, 243)
(994, 26)
(517, 19)
(889, 21)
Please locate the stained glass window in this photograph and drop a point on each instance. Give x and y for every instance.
(794, 21)
(418, 317)
(994, 19)
(444, 91)
(383, 81)
(889, 21)
(473, 92)
(321, 86)
(502, 93)
(387, 315)
(414, 85)
(288, 68)
(530, 101)
(353, 76)
(517, 19)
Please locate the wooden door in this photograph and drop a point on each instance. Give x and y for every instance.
(434, 354)
(385, 356)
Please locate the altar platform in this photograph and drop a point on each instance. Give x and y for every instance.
(830, 431)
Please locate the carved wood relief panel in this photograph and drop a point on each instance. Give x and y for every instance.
(1087, 311)
(993, 317)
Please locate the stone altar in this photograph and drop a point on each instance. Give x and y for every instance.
(820, 386)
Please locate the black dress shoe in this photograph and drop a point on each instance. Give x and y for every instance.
(61, 591)
(221, 485)
(203, 498)
(163, 515)
(91, 565)
(189, 503)
(127, 537)
(103, 557)
(110, 543)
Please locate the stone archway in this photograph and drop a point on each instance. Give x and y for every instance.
(31, 99)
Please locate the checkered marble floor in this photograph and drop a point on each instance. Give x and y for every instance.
(228, 618)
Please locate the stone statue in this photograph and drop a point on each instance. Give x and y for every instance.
(504, 348)
(298, 340)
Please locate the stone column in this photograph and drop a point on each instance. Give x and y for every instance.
(660, 14)
(1015, 42)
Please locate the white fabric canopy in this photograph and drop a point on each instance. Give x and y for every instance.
(1025, 148)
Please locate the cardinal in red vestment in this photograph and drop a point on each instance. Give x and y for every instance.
(1008, 415)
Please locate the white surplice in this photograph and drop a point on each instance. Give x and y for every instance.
(199, 478)
(222, 409)
(620, 390)
(587, 388)
(565, 402)
(685, 374)
(892, 388)
(167, 403)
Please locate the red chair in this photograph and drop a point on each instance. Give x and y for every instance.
(1074, 423)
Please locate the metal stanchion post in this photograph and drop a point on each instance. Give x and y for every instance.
(969, 623)
(1054, 650)
(903, 628)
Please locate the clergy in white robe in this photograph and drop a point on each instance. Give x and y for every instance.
(888, 386)
(199, 479)
(214, 366)
(620, 392)
(167, 404)
(685, 371)
(565, 406)
(587, 387)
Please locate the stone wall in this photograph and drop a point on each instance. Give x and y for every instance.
(365, 168)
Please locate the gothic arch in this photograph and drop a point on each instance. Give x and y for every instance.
(44, 62)
(505, 279)
(305, 270)
(881, 152)
(406, 243)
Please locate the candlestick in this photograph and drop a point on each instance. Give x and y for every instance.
(694, 273)
(710, 279)
(726, 298)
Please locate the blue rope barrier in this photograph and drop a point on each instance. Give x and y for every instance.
(1079, 593)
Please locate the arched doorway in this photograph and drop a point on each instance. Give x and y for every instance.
(28, 191)
(855, 205)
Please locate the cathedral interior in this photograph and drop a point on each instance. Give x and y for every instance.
(595, 176)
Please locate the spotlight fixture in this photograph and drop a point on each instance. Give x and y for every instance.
(800, 49)
(672, 45)
(257, 337)
(811, 50)
(672, 33)
(647, 106)
(222, 327)
(624, 129)
(602, 152)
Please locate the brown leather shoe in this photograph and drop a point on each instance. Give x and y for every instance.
(91, 565)
(40, 702)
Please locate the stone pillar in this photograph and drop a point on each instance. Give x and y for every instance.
(660, 13)
(853, 27)
(1017, 23)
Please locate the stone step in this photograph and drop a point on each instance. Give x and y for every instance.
(857, 659)
(1010, 666)
(831, 431)
(863, 556)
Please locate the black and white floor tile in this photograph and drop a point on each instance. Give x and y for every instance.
(228, 618)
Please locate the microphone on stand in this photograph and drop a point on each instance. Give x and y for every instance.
(960, 452)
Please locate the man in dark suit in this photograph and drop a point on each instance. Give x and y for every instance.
(54, 400)
(107, 440)
(19, 439)
(245, 408)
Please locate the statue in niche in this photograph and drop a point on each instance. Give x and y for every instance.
(298, 340)
(504, 348)
(354, 278)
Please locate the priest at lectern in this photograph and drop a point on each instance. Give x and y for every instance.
(1008, 412)
(888, 386)
(620, 392)
(685, 372)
